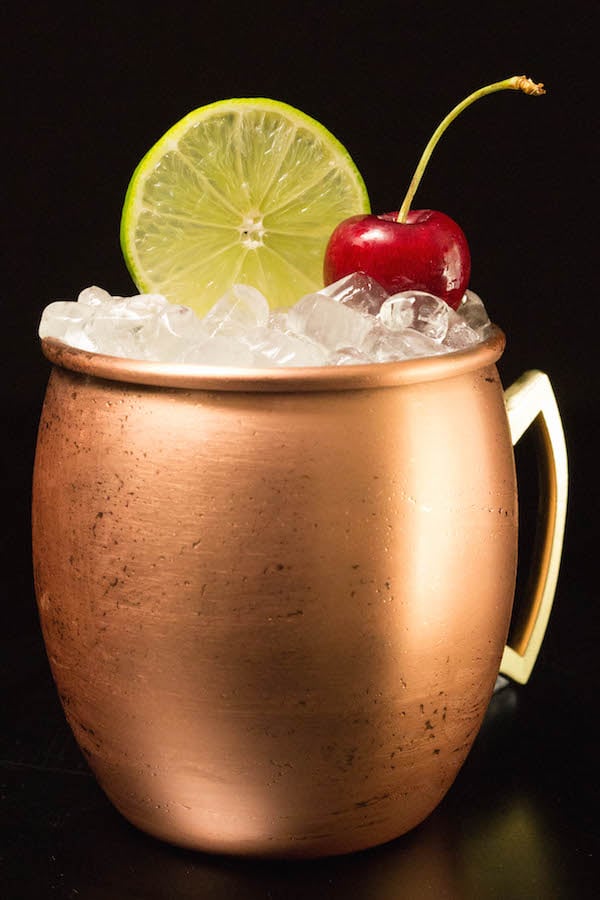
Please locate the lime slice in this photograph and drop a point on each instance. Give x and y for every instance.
(240, 191)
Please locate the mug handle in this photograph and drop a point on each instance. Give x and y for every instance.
(531, 400)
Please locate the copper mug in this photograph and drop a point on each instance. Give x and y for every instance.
(275, 602)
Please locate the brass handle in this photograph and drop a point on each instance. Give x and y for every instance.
(531, 400)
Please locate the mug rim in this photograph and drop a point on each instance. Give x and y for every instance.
(276, 378)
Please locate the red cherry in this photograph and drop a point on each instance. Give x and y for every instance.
(419, 250)
(427, 252)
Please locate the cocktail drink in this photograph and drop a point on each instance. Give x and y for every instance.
(275, 543)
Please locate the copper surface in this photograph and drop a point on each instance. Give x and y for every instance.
(275, 603)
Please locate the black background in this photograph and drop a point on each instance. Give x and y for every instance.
(88, 88)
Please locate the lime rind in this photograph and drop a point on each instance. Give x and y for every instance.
(244, 190)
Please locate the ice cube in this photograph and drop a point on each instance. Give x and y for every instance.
(397, 311)
(359, 291)
(460, 335)
(419, 310)
(222, 350)
(417, 344)
(385, 344)
(93, 296)
(142, 304)
(182, 322)
(58, 316)
(328, 322)
(473, 311)
(348, 356)
(170, 333)
(241, 308)
(278, 320)
(65, 320)
(118, 326)
(284, 348)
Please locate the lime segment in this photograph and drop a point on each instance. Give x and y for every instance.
(240, 191)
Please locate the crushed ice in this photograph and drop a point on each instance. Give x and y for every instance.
(350, 322)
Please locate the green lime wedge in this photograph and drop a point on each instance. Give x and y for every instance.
(244, 191)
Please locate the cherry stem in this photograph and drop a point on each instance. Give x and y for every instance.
(516, 83)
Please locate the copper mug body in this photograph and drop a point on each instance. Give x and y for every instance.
(275, 603)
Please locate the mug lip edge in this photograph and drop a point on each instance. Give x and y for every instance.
(274, 379)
